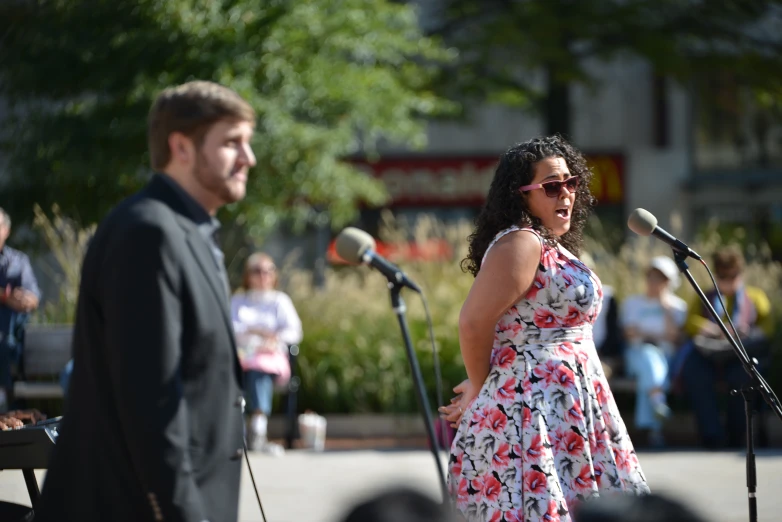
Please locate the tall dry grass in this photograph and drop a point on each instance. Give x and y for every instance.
(352, 357)
(66, 243)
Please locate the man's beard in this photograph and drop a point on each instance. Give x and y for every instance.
(213, 181)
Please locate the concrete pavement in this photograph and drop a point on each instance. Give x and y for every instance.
(303, 486)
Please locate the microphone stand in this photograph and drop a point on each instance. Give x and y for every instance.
(749, 392)
(399, 308)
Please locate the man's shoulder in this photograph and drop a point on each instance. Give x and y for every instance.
(136, 222)
(137, 212)
(14, 253)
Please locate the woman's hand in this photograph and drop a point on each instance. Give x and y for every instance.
(465, 394)
(262, 332)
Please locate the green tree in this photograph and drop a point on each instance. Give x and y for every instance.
(329, 78)
(529, 52)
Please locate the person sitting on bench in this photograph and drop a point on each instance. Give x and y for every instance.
(19, 295)
(266, 323)
(653, 324)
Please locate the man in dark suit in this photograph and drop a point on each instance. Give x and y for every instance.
(152, 428)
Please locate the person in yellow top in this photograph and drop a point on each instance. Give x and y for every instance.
(708, 357)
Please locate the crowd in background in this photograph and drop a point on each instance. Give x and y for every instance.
(656, 338)
(670, 346)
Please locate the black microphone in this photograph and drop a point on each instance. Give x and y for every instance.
(356, 246)
(644, 223)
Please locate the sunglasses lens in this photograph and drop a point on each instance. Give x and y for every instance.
(553, 188)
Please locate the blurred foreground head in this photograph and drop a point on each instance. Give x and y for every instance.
(400, 505)
(631, 508)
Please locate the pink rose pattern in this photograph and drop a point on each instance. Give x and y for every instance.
(544, 432)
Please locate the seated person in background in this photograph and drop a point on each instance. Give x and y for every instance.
(265, 322)
(19, 295)
(652, 325)
(710, 358)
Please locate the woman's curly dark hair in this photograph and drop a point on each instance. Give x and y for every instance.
(506, 207)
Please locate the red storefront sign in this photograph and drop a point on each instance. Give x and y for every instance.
(465, 181)
(429, 250)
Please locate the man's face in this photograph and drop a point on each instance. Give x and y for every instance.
(5, 230)
(224, 159)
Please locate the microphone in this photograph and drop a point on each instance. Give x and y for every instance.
(356, 246)
(644, 223)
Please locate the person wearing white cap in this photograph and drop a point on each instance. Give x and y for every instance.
(652, 324)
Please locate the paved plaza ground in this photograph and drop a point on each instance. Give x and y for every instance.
(304, 486)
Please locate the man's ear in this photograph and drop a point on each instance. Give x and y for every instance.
(181, 147)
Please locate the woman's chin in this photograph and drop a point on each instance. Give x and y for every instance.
(561, 229)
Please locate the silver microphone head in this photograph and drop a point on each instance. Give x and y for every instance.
(352, 243)
(642, 222)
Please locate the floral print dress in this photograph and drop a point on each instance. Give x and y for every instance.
(544, 432)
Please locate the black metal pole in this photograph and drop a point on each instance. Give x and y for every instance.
(399, 309)
(748, 392)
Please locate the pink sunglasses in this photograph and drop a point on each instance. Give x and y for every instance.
(554, 188)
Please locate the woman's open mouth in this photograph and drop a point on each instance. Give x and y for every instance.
(564, 213)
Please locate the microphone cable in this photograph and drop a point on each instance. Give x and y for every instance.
(252, 478)
(438, 384)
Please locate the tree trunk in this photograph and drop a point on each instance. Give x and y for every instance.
(557, 106)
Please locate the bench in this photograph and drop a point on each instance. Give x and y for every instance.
(617, 380)
(622, 384)
(47, 350)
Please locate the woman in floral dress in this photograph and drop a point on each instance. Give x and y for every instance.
(538, 428)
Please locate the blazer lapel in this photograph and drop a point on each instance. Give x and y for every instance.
(159, 188)
(205, 260)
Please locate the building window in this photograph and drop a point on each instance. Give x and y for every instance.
(735, 127)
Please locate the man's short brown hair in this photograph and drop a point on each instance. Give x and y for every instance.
(191, 108)
(728, 261)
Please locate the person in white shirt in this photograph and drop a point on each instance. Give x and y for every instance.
(266, 323)
(652, 324)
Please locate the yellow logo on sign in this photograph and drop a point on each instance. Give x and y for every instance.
(606, 183)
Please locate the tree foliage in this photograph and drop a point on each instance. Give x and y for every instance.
(329, 78)
(527, 52)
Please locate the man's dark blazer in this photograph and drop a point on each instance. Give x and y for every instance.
(152, 428)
